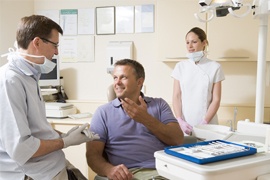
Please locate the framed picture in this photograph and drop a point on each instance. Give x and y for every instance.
(124, 19)
(144, 18)
(105, 22)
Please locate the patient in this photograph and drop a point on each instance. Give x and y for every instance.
(131, 128)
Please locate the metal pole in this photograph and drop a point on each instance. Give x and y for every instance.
(261, 69)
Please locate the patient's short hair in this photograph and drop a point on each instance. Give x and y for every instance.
(138, 68)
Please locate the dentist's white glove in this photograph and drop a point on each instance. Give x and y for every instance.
(71, 130)
(186, 128)
(90, 134)
(75, 136)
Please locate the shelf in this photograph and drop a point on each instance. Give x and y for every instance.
(48, 91)
(228, 59)
(174, 59)
(242, 105)
(67, 121)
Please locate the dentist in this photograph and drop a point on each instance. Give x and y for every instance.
(29, 147)
(197, 84)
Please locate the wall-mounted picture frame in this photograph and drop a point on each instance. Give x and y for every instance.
(105, 20)
(124, 19)
(144, 18)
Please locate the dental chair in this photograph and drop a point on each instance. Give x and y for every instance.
(190, 140)
(110, 93)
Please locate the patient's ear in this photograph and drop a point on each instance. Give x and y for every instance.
(140, 82)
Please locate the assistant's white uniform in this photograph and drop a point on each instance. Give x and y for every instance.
(196, 83)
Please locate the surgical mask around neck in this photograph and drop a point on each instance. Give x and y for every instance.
(195, 56)
(44, 68)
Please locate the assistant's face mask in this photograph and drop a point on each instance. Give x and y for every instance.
(195, 56)
(44, 68)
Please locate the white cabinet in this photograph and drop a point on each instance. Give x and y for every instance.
(74, 154)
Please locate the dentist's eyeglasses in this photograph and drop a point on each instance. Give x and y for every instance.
(53, 43)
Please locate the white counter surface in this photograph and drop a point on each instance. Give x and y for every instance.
(69, 121)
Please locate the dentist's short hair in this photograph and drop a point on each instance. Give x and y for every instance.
(35, 26)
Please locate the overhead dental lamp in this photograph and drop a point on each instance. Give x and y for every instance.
(221, 8)
(261, 11)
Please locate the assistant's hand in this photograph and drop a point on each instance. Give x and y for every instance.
(76, 136)
(204, 122)
(119, 172)
(186, 128)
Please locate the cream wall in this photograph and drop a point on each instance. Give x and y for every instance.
(10, 13)
(87, 82)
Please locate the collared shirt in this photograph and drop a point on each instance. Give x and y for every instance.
(127, 141)
(23, 124)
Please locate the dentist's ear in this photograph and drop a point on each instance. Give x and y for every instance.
(36, 42)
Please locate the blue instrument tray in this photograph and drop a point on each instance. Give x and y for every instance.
(210, 151)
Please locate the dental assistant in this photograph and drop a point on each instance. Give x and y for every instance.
(197, 84)
(29, 147)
